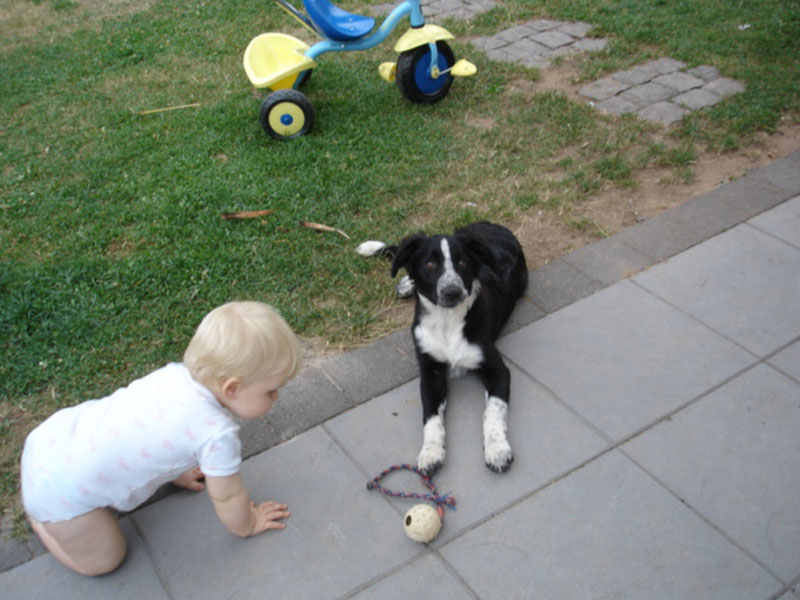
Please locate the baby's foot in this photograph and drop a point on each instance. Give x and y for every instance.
(190, 480)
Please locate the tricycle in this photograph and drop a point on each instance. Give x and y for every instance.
(424, 69)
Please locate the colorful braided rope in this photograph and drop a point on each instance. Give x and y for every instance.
(440, 501)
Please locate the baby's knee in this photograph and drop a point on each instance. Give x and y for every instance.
(106, 563)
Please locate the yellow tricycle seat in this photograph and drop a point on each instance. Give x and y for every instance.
(274, 60)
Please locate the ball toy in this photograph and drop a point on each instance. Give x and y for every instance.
(422, 522)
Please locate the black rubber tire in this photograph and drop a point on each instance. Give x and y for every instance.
(286, 115)
(414, 83)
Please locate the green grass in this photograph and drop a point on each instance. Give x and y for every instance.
(112, 245)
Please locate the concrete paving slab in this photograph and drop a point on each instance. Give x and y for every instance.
(333, 520)
(604, 88)
(547, 440)
(370, 371)
(606, 531)
(788, 360)
(729, 205)
(782, 221)
(646, 94)
(679, 82)
(608, 261)
(782, 174)
(734, 456)
(743, 284)
(696, 99)
(44, 577)
(427, 573)
(557, 284)
(617, 106)
(704, 72)
(658, 237)
(623, 359)
(665, 113)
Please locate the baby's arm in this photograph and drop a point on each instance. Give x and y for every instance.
(238, 513)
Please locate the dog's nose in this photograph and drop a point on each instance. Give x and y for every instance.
(451, 295)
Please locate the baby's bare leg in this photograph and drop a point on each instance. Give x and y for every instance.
(90, 544)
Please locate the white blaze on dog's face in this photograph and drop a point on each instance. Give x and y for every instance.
(443, 272)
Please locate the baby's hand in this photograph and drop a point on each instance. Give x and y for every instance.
(266, 515)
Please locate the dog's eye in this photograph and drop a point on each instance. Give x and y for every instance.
(430, 265)
(462, 263)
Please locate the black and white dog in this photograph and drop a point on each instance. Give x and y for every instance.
(467, 285)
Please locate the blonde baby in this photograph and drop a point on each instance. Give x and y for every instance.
(174, 424)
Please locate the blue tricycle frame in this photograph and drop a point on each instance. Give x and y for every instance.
(424, 70)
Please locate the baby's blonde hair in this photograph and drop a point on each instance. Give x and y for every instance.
(247, 340)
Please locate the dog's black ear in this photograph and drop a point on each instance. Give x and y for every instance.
(482, 256)
(405, 250)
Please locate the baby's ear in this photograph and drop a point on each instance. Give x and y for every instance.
(405, 250)
(229, 387)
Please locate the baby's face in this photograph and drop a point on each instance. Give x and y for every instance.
(256, 398)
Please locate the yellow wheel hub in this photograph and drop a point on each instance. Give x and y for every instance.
(286, 118)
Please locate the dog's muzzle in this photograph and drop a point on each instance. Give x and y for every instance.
(451, 295)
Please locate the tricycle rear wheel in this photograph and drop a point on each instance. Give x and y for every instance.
(413, 76)
(286, 114)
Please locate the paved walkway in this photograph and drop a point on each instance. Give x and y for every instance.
(655, 415)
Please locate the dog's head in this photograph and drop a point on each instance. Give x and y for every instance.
(444, 269)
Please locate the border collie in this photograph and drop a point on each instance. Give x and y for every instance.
(466, 285)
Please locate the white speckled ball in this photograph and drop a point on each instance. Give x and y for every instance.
(422, 523)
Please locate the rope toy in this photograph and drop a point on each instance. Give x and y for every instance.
(422, 522)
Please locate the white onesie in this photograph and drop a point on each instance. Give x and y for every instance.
(117, 451)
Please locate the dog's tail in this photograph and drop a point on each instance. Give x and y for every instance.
(376, 248)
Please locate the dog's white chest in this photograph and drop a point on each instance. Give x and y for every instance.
(440, 334)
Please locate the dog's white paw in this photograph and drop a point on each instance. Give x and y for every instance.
(430, 459)
(498, 456)
(405, 287)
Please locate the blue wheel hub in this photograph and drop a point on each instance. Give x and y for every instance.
(286, 119)
(425, 83)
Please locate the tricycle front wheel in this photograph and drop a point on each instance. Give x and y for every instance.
(286, 114)
(414, 78)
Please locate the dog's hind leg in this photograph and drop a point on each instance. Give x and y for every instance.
(496, 449)
(433, 390)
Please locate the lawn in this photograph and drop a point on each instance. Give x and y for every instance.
(112, 245)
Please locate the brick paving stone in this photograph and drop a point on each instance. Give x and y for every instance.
(646, 94)
(577, 29)
(559, 52)
(602, 89)
(545, 24)
(679, 82)
(665, 113)
(488, 43)
(666, 65)
(591, 44)
(514, 33)
(553, 39)
(724, 87)
(524, 48)
(617, 105)
(695, 99)
(704, 72)
(636, 75)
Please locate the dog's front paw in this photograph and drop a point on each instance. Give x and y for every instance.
(498, 456)
(430, 459)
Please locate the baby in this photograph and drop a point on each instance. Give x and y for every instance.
(171, 425)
